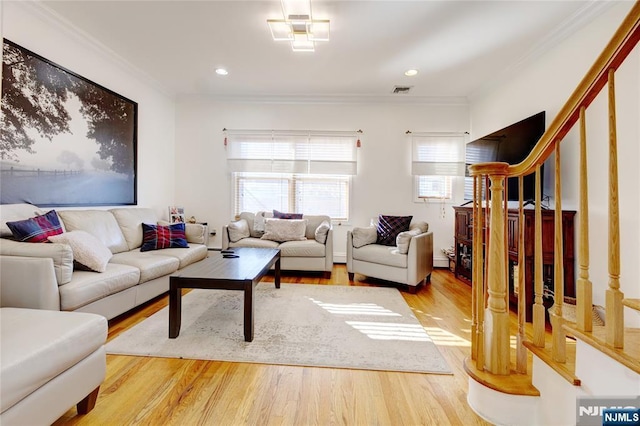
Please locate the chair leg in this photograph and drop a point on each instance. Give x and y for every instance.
(88, 402)
(429, 278)
(350, 274)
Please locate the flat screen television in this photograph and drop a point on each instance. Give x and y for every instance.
(510, 145)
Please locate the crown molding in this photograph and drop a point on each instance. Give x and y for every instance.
(338, 99)
(51, 17)
(579, 19)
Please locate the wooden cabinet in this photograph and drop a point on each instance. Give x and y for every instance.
(463, 248)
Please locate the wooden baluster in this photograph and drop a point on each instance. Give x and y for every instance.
(558, 337)
(538, 307)
(480, 288)
(474, 272)
(521, 351)
(584, 297)
(497, 336)
(615, 319)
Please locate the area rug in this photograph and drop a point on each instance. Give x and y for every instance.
(309, 325)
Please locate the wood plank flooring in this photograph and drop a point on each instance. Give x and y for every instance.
(160, 391)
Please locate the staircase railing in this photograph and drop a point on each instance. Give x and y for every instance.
(491, 337)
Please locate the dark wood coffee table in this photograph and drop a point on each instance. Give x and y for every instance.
(217, 272)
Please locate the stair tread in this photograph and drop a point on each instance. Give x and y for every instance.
(629, 356)
(632, 303)
(513, 384)
(565, 369)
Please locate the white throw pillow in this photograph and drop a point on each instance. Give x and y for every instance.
(364, 236)
(284, 229)
(404, 238)
(238, 230)
(88, 251)
(322, 231)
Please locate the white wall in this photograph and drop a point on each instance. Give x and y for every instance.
(383, 183)
(545, 85)
(38, 30)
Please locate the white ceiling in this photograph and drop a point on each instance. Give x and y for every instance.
(459, 47)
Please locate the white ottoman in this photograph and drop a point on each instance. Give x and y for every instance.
(49, 361)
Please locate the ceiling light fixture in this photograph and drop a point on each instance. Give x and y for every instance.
(411, 73)
(221, 71)
(298, 27)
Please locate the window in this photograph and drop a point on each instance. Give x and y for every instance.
(439, 187)
(436, 159)
(306, 172)
(309, 194)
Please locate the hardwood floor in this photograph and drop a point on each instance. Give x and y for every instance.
(160, 391)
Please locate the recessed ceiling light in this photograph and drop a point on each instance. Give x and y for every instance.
(221, 71)
(410, 73)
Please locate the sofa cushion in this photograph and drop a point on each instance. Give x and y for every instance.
(61, 254)
(313, 221)
(322, 231)
(195, 233)
(130, 222)
(88, 251)
(157, 237)
(255, 243)
(238, 230)
(306, 248)
(284, 229)
(13, 212)
(38, 345)
(390, 226)
(87, 286)
(422, 226)
(186, 256)
(384, 255)
(102, 224)
(281, 215)
(363, 236)
(36, 229)
(404, 238)
(259, 222)
(151, 266)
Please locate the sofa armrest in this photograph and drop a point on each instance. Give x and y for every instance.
(328, 247)
(61, 254)
(197, 233)
(420, 257)
(349, 251)
(28, 282)
(225, 237)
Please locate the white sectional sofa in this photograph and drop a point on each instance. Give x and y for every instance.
(42, 275)
(313, 253)
(50, 361)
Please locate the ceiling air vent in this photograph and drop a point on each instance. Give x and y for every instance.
(402, 89)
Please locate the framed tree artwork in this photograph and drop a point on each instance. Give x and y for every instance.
(65, 140)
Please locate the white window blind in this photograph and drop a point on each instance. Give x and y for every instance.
(308, 194)
(292, 152)
(436, 158)
(438, 154)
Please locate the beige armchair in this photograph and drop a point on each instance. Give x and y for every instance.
(410, 265)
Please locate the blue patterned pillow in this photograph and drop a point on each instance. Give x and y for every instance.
(156, 237)
(389, 227)
(280, 215)
(36, 229)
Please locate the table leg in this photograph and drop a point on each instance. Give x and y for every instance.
(175, 310)
(248, 311)
(277, 273)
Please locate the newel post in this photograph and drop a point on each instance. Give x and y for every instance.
(496, 318)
